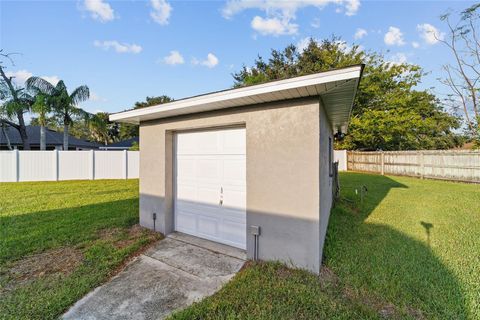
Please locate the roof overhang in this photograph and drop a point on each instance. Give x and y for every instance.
(336, 89)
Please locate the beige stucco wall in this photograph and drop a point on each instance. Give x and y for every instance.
(326, 182)
(283, 173)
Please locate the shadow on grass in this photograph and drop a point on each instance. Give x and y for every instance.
(34, 232)
(377, 259)
(89, 230)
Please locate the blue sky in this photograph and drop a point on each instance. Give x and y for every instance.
(126, 50)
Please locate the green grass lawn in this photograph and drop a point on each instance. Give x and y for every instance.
(411, 249)
(59, 240)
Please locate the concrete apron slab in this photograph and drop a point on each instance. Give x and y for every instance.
(171, 275)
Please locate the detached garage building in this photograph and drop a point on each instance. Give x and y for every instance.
(220, 165)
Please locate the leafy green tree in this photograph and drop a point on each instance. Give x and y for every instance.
(127, 130)
(101, 129)
(389, 113)
(135, 146)
(152, 101)
(63, 104)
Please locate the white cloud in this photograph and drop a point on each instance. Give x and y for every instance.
(415, 44)
(352, 7)
(174, 58)
(117, 46)
(287, 8)
(398, 58)
(19, 77)
(280, 15)
(273, 26)
(394, 37)
(161, 11)
(99, 10)
(210, 62)
(429, 33)
(360, 33)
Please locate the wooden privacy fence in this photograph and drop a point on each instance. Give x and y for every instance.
(56, 165)
(457, 165)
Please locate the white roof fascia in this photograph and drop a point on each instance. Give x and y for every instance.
(189, 105)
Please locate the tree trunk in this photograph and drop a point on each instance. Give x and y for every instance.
(65, 137)
(43, 138)
(9, 145)
(23, 131)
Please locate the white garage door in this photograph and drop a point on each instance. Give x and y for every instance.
(210, 197)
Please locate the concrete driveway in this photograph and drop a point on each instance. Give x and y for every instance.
(171, 275)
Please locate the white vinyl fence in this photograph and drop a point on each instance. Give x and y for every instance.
(340, 156)
(456, 165)
(68, 165)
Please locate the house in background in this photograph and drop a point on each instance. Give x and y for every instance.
(54, 140)
(250, 167)
(121, 145)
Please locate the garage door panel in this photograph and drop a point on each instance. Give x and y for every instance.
(211, 185)
(198, 208)
(208, 195)
(198, 143)
(233, 230)
(234, 199)
(233, 141)
(234, 171)
(208, 226)
(186, 192)
(186, 168)
(209, 169)
(186, 222)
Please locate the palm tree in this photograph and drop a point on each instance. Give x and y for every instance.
(63, 104)
(15, 103)
(42, 107)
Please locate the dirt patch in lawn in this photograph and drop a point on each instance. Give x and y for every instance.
(62, 260)
(122, 238)
(134, 233)
(109, 234)
(52, 262)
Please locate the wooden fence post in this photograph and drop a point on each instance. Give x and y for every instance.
(422, 165)
(353, 160)
(383, 162)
